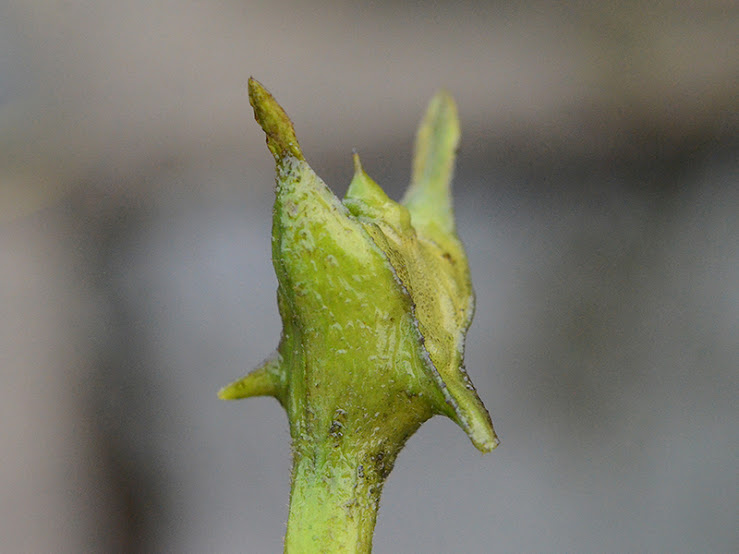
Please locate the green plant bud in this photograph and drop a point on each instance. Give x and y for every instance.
(375, 299)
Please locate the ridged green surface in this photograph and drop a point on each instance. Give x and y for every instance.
(375, 299)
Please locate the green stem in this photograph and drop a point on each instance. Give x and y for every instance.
(333, 504)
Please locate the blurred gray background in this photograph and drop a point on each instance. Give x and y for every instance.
(596, 193)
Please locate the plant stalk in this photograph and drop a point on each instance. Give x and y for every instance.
(333, 506)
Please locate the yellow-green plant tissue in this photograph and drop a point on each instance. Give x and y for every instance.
(375, 299)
